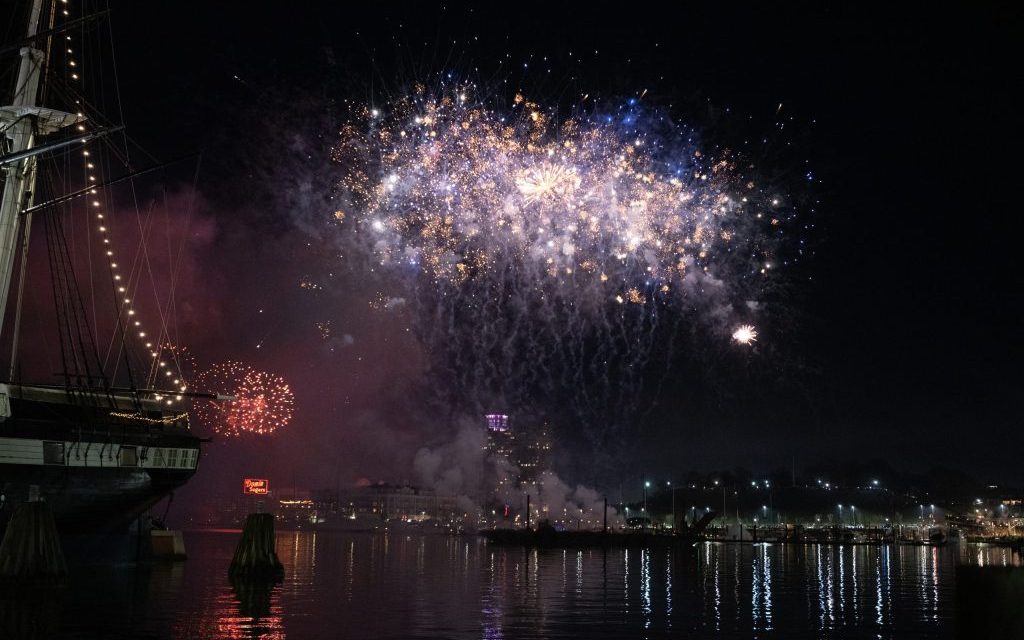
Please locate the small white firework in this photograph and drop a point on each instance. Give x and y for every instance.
(745, 334)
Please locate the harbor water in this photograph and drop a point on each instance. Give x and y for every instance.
(361, 585)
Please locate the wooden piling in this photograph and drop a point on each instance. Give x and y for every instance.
(31, 551)
(255, 555)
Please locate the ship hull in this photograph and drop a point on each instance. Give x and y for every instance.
(88, 499)
(99, 468)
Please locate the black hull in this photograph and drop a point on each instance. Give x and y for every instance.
(89, 500)
(99, 467)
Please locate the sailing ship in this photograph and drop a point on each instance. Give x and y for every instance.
(99, 453)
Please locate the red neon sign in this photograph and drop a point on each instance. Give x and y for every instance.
(255, 486)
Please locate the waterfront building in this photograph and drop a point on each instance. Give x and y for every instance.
(388, 502)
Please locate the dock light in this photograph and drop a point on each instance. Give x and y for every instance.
(874, 482)
(647, 484)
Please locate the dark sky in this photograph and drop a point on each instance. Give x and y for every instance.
(906, 344)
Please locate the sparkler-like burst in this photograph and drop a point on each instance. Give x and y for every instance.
(550, 264)
(263, 402)
(745, 334)
(223, 379)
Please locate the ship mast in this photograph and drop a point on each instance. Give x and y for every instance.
(21, 122)
(21, 176)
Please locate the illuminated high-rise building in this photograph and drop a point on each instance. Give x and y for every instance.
(532, 453)
(499, 447)
(526, 447)
(500, 439)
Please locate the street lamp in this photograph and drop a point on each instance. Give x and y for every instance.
(673, 506)
(647, 485)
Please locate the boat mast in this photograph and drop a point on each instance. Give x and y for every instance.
(19, 184)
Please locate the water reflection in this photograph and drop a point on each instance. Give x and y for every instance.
(490, 602)
(668, 588)
(400, 586)
(258, 613)
(761, 592)
(30, 616)
(645, 586)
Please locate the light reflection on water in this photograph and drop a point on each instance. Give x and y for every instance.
(399, 586)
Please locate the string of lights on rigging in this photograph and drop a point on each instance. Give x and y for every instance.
(125, 304)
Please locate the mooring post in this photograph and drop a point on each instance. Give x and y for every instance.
(31, 550)
(527, 511)
(255, 555)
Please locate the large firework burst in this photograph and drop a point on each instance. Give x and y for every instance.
(551, 262)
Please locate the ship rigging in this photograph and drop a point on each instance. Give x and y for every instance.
(111, 437)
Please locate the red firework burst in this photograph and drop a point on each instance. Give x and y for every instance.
(263, 401)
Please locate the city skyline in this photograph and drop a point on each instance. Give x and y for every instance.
(861, 352)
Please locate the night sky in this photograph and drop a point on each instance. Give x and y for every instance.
(903, 336)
